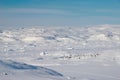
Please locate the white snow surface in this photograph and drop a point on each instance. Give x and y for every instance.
(85, 53)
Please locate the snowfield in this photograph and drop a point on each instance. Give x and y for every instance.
(85, 53)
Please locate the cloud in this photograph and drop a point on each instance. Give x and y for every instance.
(108, 10)
(35, 11)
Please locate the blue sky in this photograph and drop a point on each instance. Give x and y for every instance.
(59, 12)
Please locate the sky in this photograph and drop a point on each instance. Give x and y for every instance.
(59, 12)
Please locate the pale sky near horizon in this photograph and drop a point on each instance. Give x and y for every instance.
(59, 12)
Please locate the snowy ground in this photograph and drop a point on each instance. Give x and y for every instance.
(86, 53)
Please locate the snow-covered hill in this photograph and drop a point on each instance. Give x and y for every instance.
(11, 70)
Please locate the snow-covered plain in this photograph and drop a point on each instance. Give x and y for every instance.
(85, 53)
